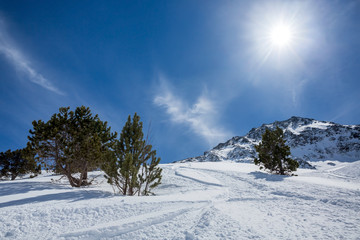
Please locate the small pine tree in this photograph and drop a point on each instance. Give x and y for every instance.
(14, 163)
(274, 153)
(133, 167)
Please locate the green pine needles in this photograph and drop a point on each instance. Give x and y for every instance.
(18, 162)
(72, 143)
(133, 169)
(274, 153)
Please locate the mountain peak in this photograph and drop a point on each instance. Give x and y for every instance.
(309, 140)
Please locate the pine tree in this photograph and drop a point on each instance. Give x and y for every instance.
(72, 143)
(14, 163)
(274, 153)
(133, 168)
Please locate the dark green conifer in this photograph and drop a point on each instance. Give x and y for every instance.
(72, 143)
(274, 153)
(133, 170)
(14, 163)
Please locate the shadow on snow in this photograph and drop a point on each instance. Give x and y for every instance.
(72, 194)
(10, 188)
(268, 176)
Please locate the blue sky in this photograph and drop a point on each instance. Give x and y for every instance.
(197, 72)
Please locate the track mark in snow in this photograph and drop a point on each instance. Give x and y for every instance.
(202, 226)
(251, 199)
(197, 176)
(293, 195)
(212, 223)
(131, 224)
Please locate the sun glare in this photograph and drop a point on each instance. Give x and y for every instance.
(281, 35)
(278, 32)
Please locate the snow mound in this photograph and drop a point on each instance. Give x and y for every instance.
(351, 170)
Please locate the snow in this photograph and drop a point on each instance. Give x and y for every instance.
(352, 170)
(314, 124)
(224, 152)
(197, 200)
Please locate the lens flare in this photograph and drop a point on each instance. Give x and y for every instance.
(281, 35)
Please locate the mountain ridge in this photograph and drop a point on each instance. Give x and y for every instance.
(308, 138)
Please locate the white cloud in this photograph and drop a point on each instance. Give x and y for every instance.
(201, 117)
(21, 63)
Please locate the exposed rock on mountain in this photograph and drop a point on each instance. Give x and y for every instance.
(309, 140)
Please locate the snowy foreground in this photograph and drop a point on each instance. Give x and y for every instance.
(221, 200)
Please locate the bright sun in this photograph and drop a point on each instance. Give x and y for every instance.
(281, 35)
(278, 31)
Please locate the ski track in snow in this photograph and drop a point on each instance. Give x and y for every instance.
(221, 200)
(131, 224)
(197, 176)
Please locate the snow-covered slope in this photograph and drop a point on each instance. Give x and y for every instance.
(309, 139)
(217, 200)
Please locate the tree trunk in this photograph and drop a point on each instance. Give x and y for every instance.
(125, 187)
(72, 180)
(85, 176)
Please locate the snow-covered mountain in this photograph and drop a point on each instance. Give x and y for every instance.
(309, 140)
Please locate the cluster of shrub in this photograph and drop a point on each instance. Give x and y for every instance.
(72, 143)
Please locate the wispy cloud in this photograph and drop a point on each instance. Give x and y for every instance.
(21, 63)
(201, 117)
